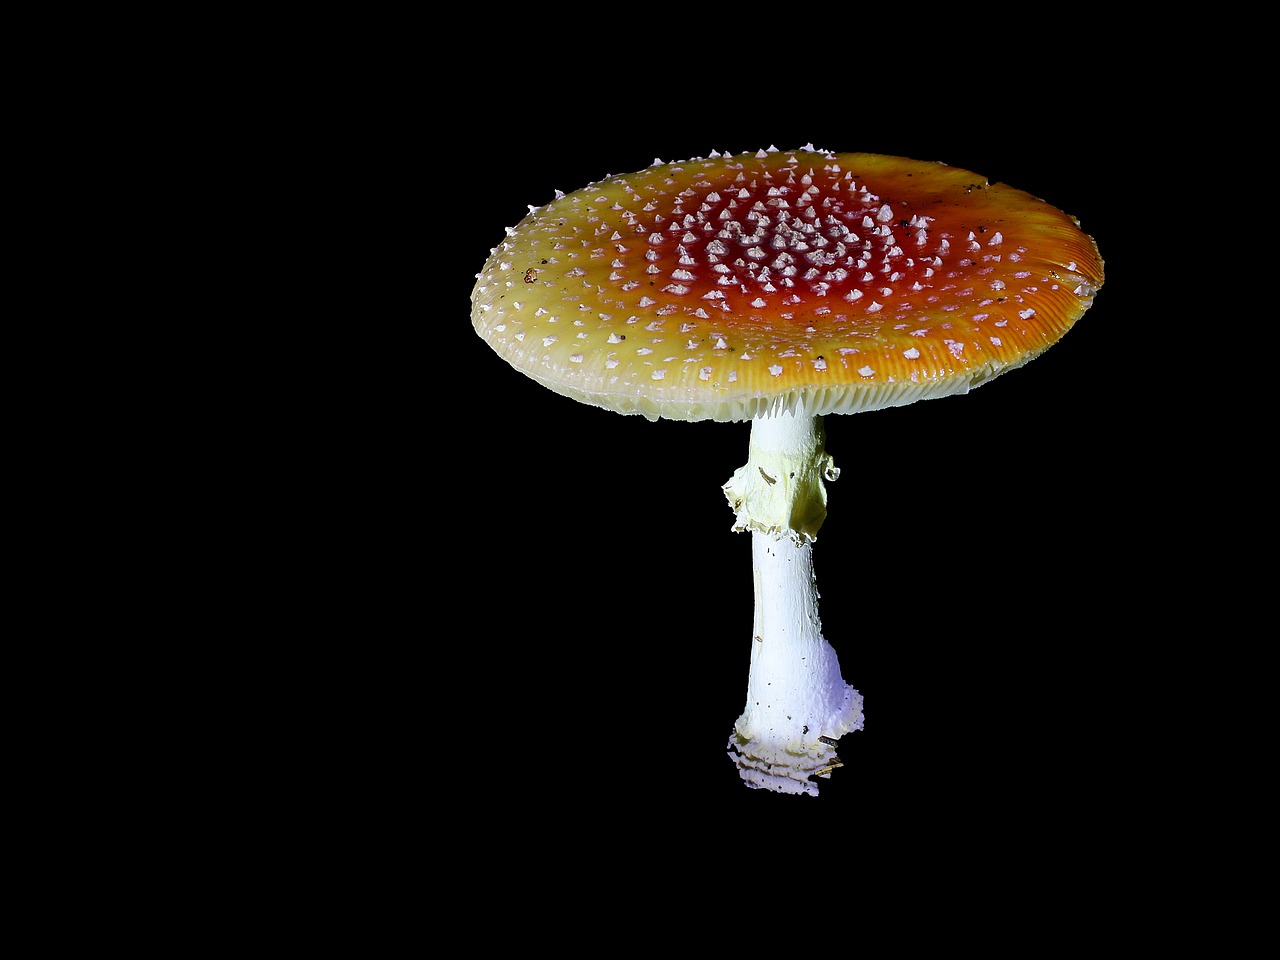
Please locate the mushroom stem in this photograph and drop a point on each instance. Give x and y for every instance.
(798, 704)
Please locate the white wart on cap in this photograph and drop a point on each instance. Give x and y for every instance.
(728, 287)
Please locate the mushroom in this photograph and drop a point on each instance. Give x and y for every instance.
(779, 287)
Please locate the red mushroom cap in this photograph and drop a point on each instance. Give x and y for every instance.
(726, 287)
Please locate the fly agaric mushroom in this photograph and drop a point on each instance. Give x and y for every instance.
(778, 287)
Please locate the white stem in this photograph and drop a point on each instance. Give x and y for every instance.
(798, 704)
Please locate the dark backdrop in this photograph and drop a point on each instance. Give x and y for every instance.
(615, 603)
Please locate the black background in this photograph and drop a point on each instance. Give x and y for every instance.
(516, 629)
(969, 568)
(554, 611)
(465, 630)
(509, 631)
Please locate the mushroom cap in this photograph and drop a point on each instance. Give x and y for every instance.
(728, 287)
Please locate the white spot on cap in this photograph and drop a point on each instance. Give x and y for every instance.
(658, 374)
(1026, 314)
(866, 372)
(911, 353)
(775, 370)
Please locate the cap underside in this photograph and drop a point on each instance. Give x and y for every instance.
(727, 287)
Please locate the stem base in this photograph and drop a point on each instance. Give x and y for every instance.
(788, 767)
